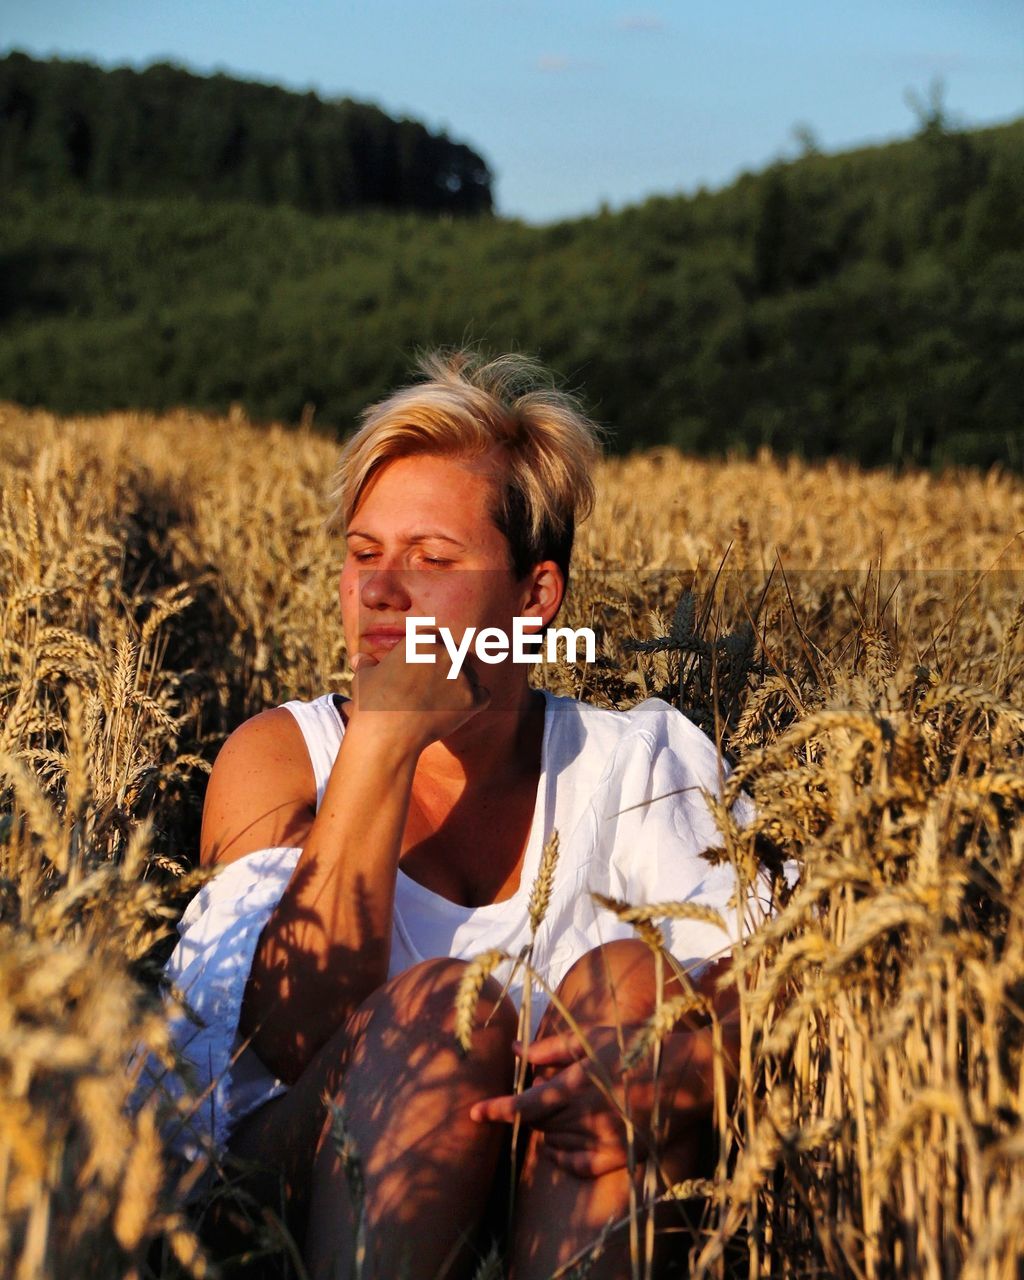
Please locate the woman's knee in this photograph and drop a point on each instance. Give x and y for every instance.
(412, 1020)
(425, 996)
(616, 982)
(404, 1067)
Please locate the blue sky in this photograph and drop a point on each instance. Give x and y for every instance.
(577, 102)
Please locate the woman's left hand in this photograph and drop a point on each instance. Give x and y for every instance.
(584, 1130)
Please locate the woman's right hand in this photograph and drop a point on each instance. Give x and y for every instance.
(414, 704)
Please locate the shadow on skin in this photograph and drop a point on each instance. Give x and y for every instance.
(406, 1090)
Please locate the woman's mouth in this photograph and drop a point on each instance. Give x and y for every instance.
(384, 639)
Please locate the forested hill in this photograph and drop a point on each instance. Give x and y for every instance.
(869, 304)
(165, 132)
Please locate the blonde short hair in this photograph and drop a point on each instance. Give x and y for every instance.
(465, 406)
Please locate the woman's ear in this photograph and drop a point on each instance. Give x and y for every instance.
(545, 591)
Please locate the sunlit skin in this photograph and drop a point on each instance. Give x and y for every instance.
(460, 575)
(429, 1123)
(412, 553)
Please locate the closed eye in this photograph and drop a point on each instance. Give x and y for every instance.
(368, 555)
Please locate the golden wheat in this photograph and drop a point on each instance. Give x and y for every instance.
(468, 995)
(163, 579)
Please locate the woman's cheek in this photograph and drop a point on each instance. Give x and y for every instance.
(438, 600)
(349, 584)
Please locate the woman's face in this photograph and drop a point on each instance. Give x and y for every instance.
(422, 543)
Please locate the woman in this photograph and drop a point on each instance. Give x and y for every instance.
(369, 847)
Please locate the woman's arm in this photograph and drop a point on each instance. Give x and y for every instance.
(326, 945)
(261, 793)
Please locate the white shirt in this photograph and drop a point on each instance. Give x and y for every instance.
(624, 791)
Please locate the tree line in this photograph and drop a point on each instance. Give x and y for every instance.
(869, 304)
(163, 132)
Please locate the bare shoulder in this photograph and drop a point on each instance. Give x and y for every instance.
(261, 791)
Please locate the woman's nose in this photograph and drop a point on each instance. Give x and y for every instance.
(383, 585)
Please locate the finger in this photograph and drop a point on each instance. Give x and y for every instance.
(560, 1050)
(481, 694)
(584, 1164)
(568, 1139)
(534, 1105)
(364, 660)
(505, 1109)
(499, 1110)
(538, 1075)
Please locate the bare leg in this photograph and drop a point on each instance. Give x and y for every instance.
(427, 1167)
(557, 1212)
(406, 1091)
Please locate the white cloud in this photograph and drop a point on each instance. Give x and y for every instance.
(642, 22)
(558, 63)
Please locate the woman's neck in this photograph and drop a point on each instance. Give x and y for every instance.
(491, 750)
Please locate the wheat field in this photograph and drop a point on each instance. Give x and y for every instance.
(855, 640)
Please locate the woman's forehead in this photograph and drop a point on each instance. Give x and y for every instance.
(485, 466)
(452, 484)
(424, 496)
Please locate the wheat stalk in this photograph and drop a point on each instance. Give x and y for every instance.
(467, 996)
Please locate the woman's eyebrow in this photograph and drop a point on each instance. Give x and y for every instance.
(412, 537)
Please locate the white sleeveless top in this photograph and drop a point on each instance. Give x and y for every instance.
(425, 924)
(624, 791)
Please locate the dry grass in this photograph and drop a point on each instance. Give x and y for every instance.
(163, 579)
